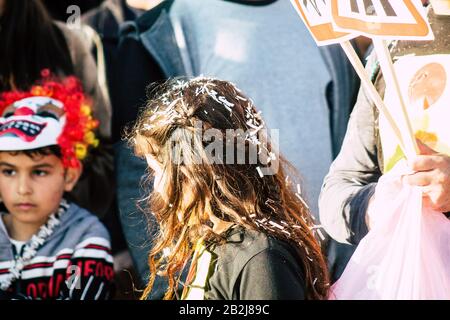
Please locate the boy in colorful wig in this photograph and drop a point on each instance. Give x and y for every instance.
(49, 248)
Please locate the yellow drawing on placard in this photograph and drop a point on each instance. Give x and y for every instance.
(424, 83)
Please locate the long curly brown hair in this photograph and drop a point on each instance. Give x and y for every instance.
(227, 188)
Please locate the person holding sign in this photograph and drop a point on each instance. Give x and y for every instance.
(368, 150)
(405, 255)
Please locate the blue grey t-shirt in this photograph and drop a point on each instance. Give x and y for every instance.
(269, 54)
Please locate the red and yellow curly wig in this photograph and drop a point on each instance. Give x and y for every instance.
(78, 132)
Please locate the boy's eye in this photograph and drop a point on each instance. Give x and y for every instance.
(40, 173)
(8, 172)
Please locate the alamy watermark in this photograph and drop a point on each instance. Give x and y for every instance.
(74, 279)
(74, 20)
(236, 146)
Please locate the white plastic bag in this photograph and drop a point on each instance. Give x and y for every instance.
(406, 254)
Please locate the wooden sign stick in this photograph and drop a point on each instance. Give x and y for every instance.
(371, 90)
(410, 145)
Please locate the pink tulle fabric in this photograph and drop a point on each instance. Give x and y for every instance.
(405, 255)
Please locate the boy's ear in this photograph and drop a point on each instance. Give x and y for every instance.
(71, 177)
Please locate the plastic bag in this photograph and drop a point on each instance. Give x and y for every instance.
(405, 255)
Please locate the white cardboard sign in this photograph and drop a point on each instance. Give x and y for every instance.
(386, 19)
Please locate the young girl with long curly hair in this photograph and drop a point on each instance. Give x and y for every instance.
(232, 222)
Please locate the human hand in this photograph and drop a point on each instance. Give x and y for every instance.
(432, 173)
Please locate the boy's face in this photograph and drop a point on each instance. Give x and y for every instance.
(32, 188)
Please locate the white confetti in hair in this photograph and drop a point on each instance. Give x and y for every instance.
(276, 225)
(205, 85)
(317, 229)
(303, 201)
(259, 172)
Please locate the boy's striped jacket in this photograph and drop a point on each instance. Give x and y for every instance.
(75, 262)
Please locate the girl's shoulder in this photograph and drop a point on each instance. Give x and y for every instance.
(245, 250)
(241, 245)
